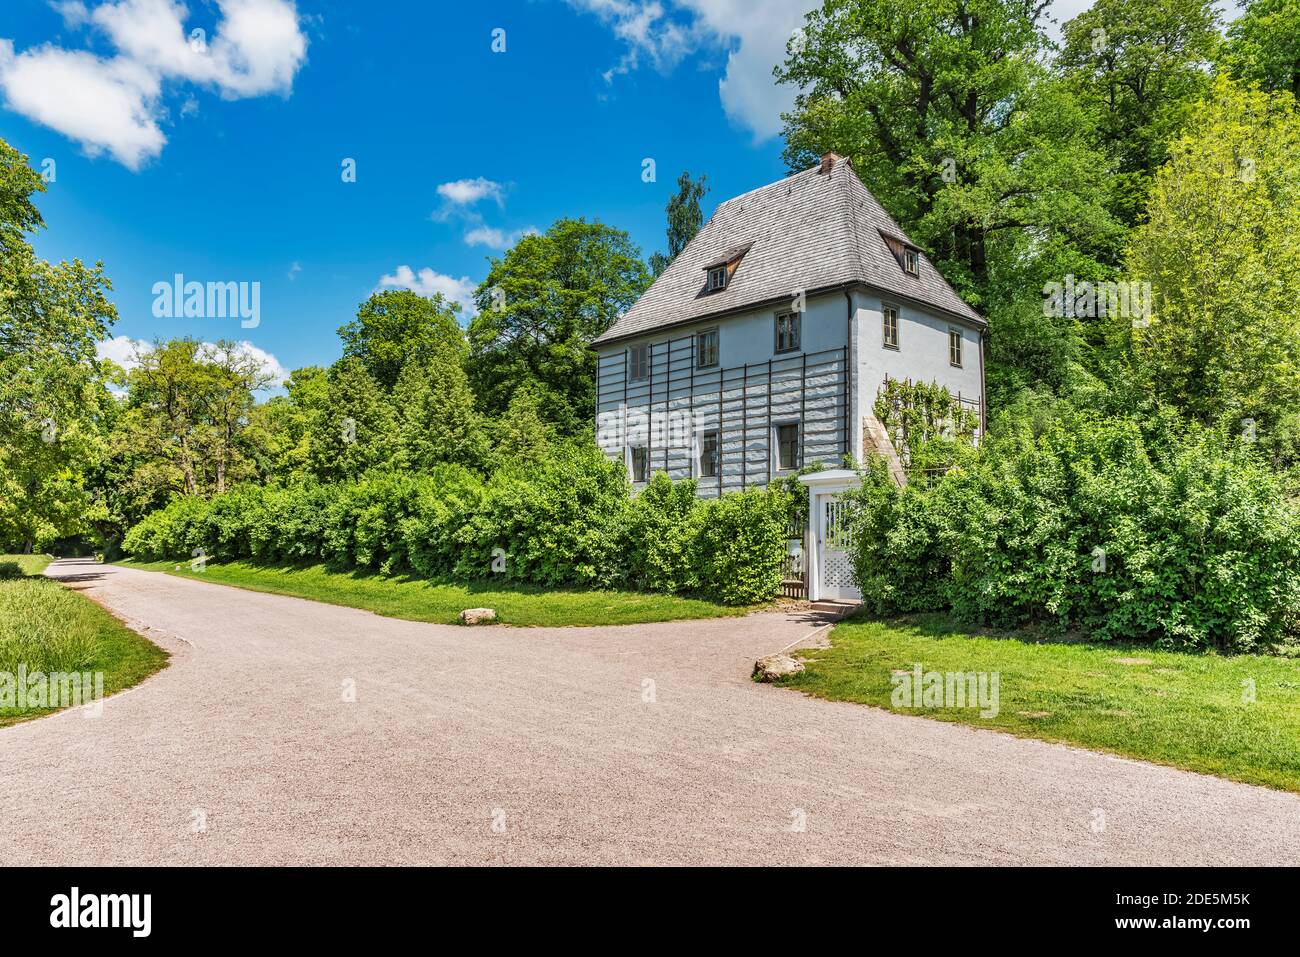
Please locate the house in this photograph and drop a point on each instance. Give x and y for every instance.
(762, 346)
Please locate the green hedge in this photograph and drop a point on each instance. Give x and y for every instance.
(1176, 535)
(571, 522)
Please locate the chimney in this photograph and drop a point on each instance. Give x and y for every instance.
(828, 162)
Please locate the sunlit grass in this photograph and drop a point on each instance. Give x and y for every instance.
(45, 627)
(419, 600)
(1237, 717)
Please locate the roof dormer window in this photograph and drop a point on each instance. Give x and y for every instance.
(910, 260)
(717, 278)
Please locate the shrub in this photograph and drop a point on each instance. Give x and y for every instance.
(1180, 536)
(656, 537)
(741, 544)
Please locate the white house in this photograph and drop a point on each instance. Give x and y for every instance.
(762, 346)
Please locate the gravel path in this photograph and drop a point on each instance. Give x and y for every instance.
(539, 746)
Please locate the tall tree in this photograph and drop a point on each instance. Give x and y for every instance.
(1221, 248)
(396, 325)
(52, 395)
(353, 428)
(684, 219)
(436, 419)
(540, 307)
(1141, 66)
(1264, 45)
(954, 124)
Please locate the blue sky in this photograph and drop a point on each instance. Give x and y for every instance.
(219, 155)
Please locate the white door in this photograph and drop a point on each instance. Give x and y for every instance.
(834, 566)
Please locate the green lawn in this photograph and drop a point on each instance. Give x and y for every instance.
(27, 564)
(45, 627)
(1186, 710)
(417, 599)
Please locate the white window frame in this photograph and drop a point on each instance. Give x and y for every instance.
(698, 453)
(717, 278)
(955, 339)
(631, 464)
(776, 445)
(911, 261)
(632, 375)
(717, 348)
(885, 309)
(797, 326)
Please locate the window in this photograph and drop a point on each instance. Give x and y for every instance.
(706, 349)
(787, 446)
(890, 319)
(717, 278)
(640, 463)
(710, 454)
(954, 347)
(787, 331)
(638, 363)
(909, 261)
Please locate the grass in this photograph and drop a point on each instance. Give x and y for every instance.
(1189, 711)
(14, 565)
(417, 599)
(45, 627)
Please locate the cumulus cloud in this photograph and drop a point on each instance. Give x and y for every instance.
(467, 192)
(495, 238)
(426, 282)
(126, 352)
(112, 104)
(752, 32)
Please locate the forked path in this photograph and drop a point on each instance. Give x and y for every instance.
(639, 744)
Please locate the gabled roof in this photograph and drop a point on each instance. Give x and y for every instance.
(813, 230)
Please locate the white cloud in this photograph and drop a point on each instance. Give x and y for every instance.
(495, 238)
(123, 350)
(73, 12)
(111, 104)
(426, 282)
(752, 32)
(126, 352)
(292, 274)
(467, 192)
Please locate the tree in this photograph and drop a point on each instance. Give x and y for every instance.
(188, 408)
(398, 324)
(1264, 45)
(1141, 67)
(522, 437)
(684, 220)
(353, 428)
(436, 419)
(540, 307)
(1221, 248)
(954, 124)
(280, 427)
(52, 394)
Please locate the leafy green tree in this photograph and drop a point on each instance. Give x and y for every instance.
(540, 307)
(1141, 66)
(953, 122)
(436, 418)
(1221, 248)
(396, 325)
(684, 219)
(354, 429)
(522, 436)
(280, 427)
(52, 395)
(1264, 45)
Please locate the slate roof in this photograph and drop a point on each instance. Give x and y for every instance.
(810, 231)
